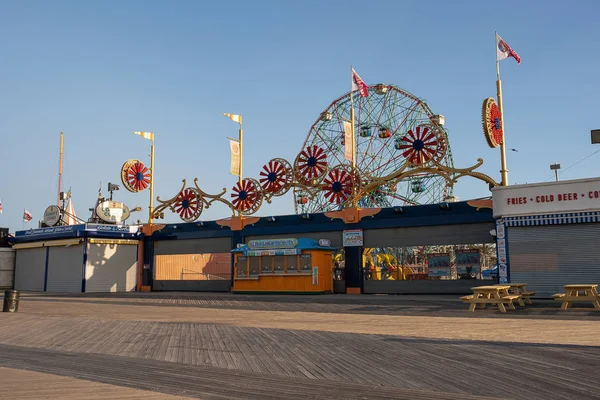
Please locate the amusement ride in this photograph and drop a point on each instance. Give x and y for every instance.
(402, 157)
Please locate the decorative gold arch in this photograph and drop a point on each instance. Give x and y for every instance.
(190, 202)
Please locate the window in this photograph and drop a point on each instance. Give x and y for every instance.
(242, 267)
(278, 264)
(254, 266)
(266, 265)
(291, 263)
(306, 263)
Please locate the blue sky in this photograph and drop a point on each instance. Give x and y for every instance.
(100, 70)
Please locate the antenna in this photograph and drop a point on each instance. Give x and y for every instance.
(60, 164)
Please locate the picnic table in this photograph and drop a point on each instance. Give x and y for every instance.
(493, 294)
(519, 289)
(589, 292)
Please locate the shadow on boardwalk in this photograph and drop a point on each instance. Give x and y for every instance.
(414, 305)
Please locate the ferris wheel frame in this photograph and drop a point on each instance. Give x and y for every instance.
(392, 129)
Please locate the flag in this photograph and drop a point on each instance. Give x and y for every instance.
(359, 84)
(503, 50)
(348, 140)
(146, 135)
(70, 218)
(234, 146)
(27, 216)
(234, 117)
(0, 206)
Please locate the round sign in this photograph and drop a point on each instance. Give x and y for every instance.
(113, 212)
(492, 123)
(52, 215)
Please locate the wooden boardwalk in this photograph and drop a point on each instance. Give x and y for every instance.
(202, 352)
(21, 384)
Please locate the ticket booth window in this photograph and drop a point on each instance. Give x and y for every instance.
(266, 265)
(242, 267)
(292, 264)
(306, 263)
(278, 264)
(254, 269)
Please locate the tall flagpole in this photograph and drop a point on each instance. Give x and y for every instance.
(352, 118)
(151, 209)
(60, 165)
(503, 170)
(352, 131)
(238, 118)
(241, 137)
(149, 136)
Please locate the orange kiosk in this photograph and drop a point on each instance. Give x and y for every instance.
(284, 266)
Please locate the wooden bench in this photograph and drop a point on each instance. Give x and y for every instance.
(510, 298)
(466, 299)
(558, 296)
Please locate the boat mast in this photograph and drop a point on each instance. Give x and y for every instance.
(60, 165)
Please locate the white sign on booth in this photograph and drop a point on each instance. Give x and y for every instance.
(547, 198)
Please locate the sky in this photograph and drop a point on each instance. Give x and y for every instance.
(98, 71)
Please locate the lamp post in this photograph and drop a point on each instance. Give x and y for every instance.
(595, 134)
(555, 168)
(150, 136)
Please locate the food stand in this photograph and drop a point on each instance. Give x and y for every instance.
(283, 266)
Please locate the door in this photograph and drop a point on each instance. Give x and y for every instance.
(548, 257)
(30, 269)
(65, 269)
(110, 267)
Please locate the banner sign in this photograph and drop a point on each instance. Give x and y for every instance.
(438, 264)
(501, 250)
(547, 198)
(272, 244)
(468, 261)
(50, 231)
(352, 237)
(281, 252)
(112, 228)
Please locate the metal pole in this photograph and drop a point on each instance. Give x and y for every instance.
(503, 170)
(151, 208)
(241, 137)
(352, 118)
(60, 165)
(556, 174)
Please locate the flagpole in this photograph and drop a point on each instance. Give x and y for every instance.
(503, 170)
(60, 165)
(352, 131)
(352, 118)
(241, 137)
(151, 208)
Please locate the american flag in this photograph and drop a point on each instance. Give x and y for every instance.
(0, 206)
(503, 50)
(27, 216)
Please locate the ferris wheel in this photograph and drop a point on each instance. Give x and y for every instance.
(394, 131)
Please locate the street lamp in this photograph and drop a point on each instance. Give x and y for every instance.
(150, 136)
(555, 168)
(595, 133)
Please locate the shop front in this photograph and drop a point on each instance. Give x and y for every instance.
(294, 265)
(548, 234)
(77, 258)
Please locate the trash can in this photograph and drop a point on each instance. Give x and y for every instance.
(11, 301)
